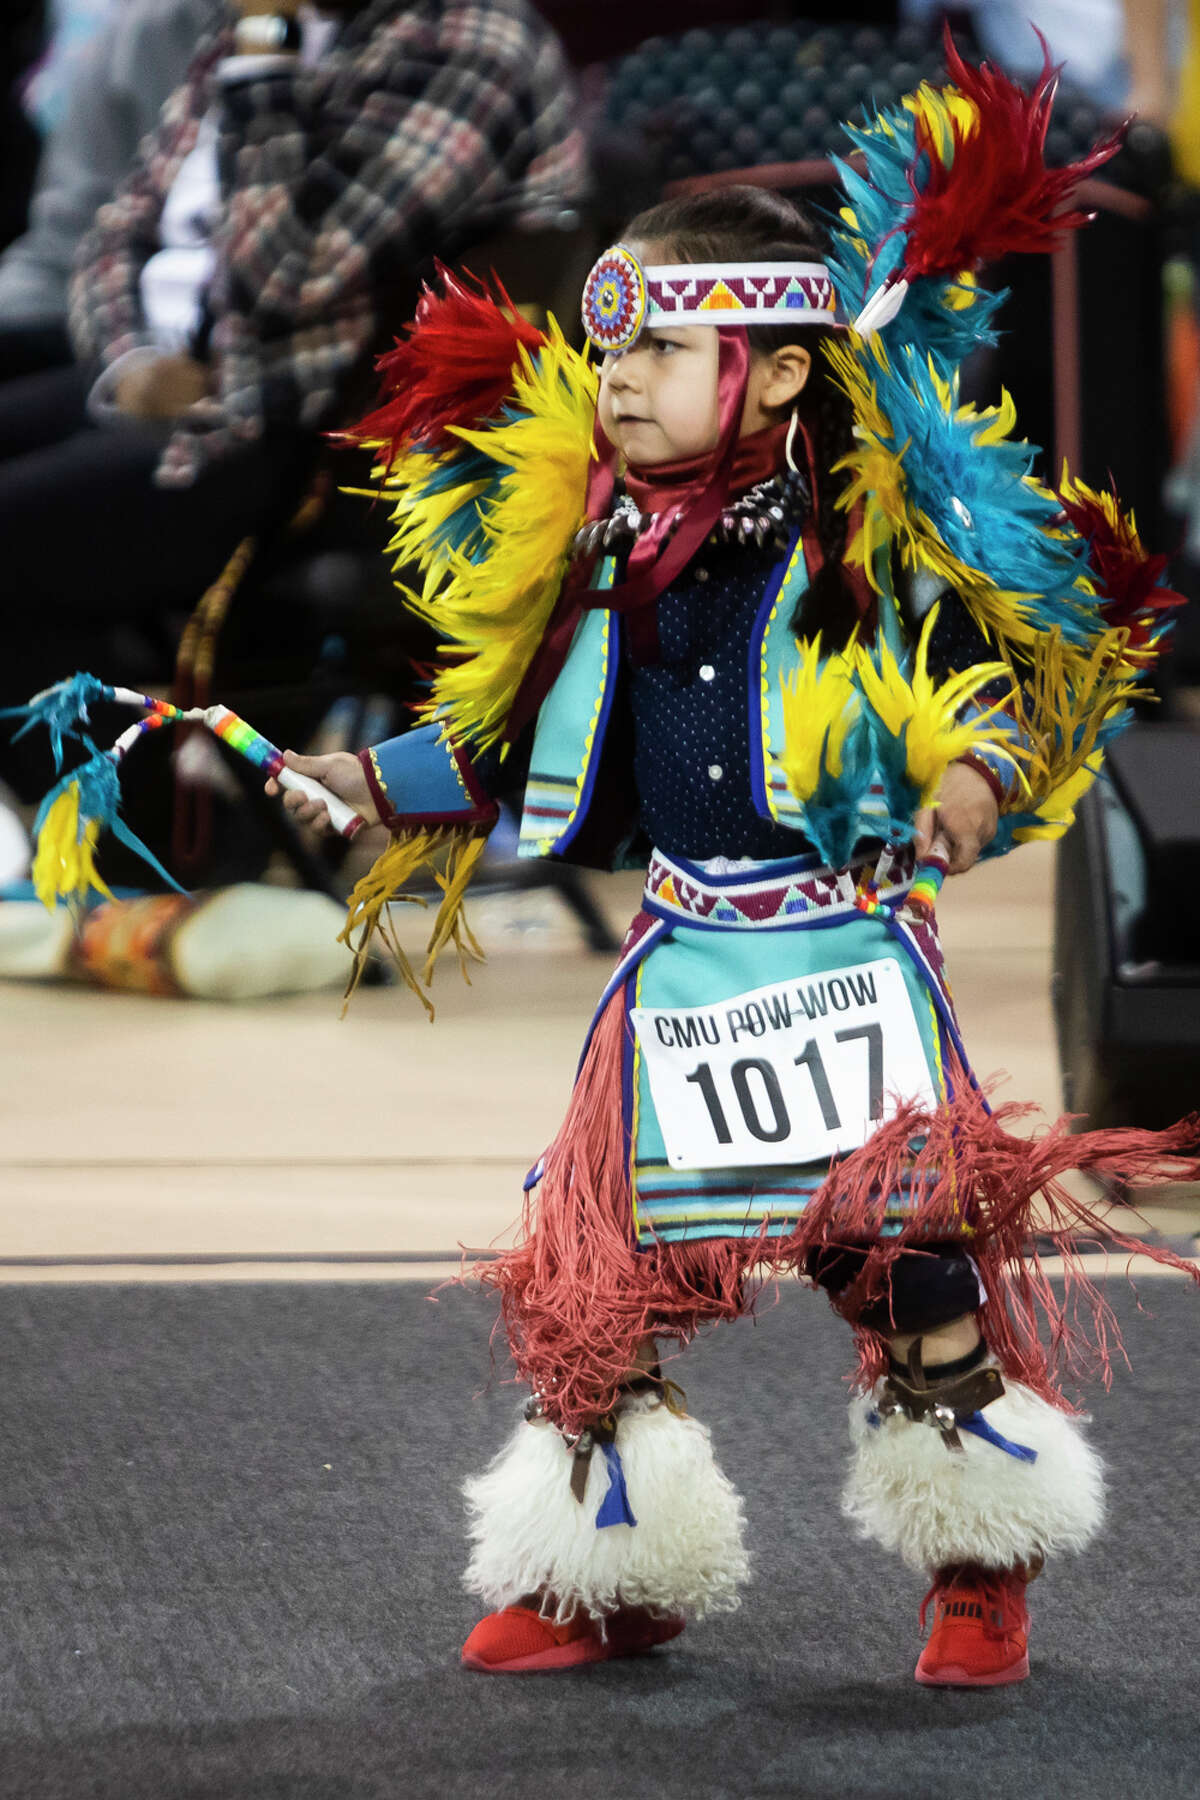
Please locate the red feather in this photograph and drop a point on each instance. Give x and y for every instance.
(454, 366)
(996, 196)
(1133, 596)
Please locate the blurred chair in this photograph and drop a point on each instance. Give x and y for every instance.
(1126, 942)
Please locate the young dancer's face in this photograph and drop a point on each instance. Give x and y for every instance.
(658, 401)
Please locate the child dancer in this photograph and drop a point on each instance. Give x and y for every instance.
(820, 637)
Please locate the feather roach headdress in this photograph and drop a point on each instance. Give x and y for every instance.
(978, 187)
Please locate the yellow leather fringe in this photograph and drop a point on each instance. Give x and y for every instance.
(450, 857)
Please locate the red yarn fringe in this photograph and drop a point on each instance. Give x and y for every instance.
(578, 1298)
(995, 195)
(455, 367)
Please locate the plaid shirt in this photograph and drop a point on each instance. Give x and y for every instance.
(422, 128)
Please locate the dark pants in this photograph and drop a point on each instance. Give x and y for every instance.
(92, 552)
(927, 1287)
(31, 349)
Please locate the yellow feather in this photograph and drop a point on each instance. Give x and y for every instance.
(64, 866)
(962, 294)
(939, 110)
(491, 613)
(819, 707)
(411, 853)
(1062, 703)
(927, 713)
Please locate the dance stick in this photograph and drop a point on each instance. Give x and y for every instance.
(241, 738)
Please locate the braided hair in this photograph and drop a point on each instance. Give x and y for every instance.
(753, 224)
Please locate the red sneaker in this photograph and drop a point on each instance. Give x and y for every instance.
(980, 1628)
(519, 1641)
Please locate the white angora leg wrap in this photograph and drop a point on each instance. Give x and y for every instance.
(685, 1554)
(937, 1506)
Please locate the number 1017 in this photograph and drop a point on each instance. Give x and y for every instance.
(757, 1090)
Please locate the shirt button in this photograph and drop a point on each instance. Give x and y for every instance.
(700, 574)
(708, 673)
(715, 771)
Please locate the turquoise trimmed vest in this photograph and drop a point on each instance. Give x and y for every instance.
(569, 736)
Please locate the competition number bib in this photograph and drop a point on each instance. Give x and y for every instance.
(790, 1073)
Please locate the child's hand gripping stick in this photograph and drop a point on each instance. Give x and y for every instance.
(342, 818)
(260, 751)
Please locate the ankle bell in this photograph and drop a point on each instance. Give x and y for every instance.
(944, 1396)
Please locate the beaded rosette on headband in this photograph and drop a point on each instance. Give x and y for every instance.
(622, 298)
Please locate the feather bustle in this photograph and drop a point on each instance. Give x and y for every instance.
(489, 527)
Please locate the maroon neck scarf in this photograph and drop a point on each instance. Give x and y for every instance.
(755, 458)
(687, 510)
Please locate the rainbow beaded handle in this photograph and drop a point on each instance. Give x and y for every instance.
(241, 738)
(928, 878)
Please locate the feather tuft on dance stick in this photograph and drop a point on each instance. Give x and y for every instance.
(62, 709)
(67, 828)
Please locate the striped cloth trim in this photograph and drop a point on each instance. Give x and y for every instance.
(716, 1203)
(553, 802)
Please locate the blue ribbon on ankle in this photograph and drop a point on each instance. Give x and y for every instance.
(614, 1508)
(978, 1426)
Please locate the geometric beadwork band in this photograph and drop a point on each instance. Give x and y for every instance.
(621, 298)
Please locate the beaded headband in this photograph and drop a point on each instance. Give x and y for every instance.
(621, 299)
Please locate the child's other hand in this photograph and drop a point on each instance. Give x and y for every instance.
(965, 818)
(342, 773)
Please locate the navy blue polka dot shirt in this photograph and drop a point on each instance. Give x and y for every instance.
(691, 713)
(691, 709)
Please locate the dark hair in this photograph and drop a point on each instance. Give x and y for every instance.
(754, 224)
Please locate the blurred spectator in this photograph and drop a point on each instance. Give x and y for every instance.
(228, 301)
(70, 28)
(22, 37)
(1087, 35)
(108, 98)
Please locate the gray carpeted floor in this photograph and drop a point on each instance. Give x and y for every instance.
(231, 1546)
